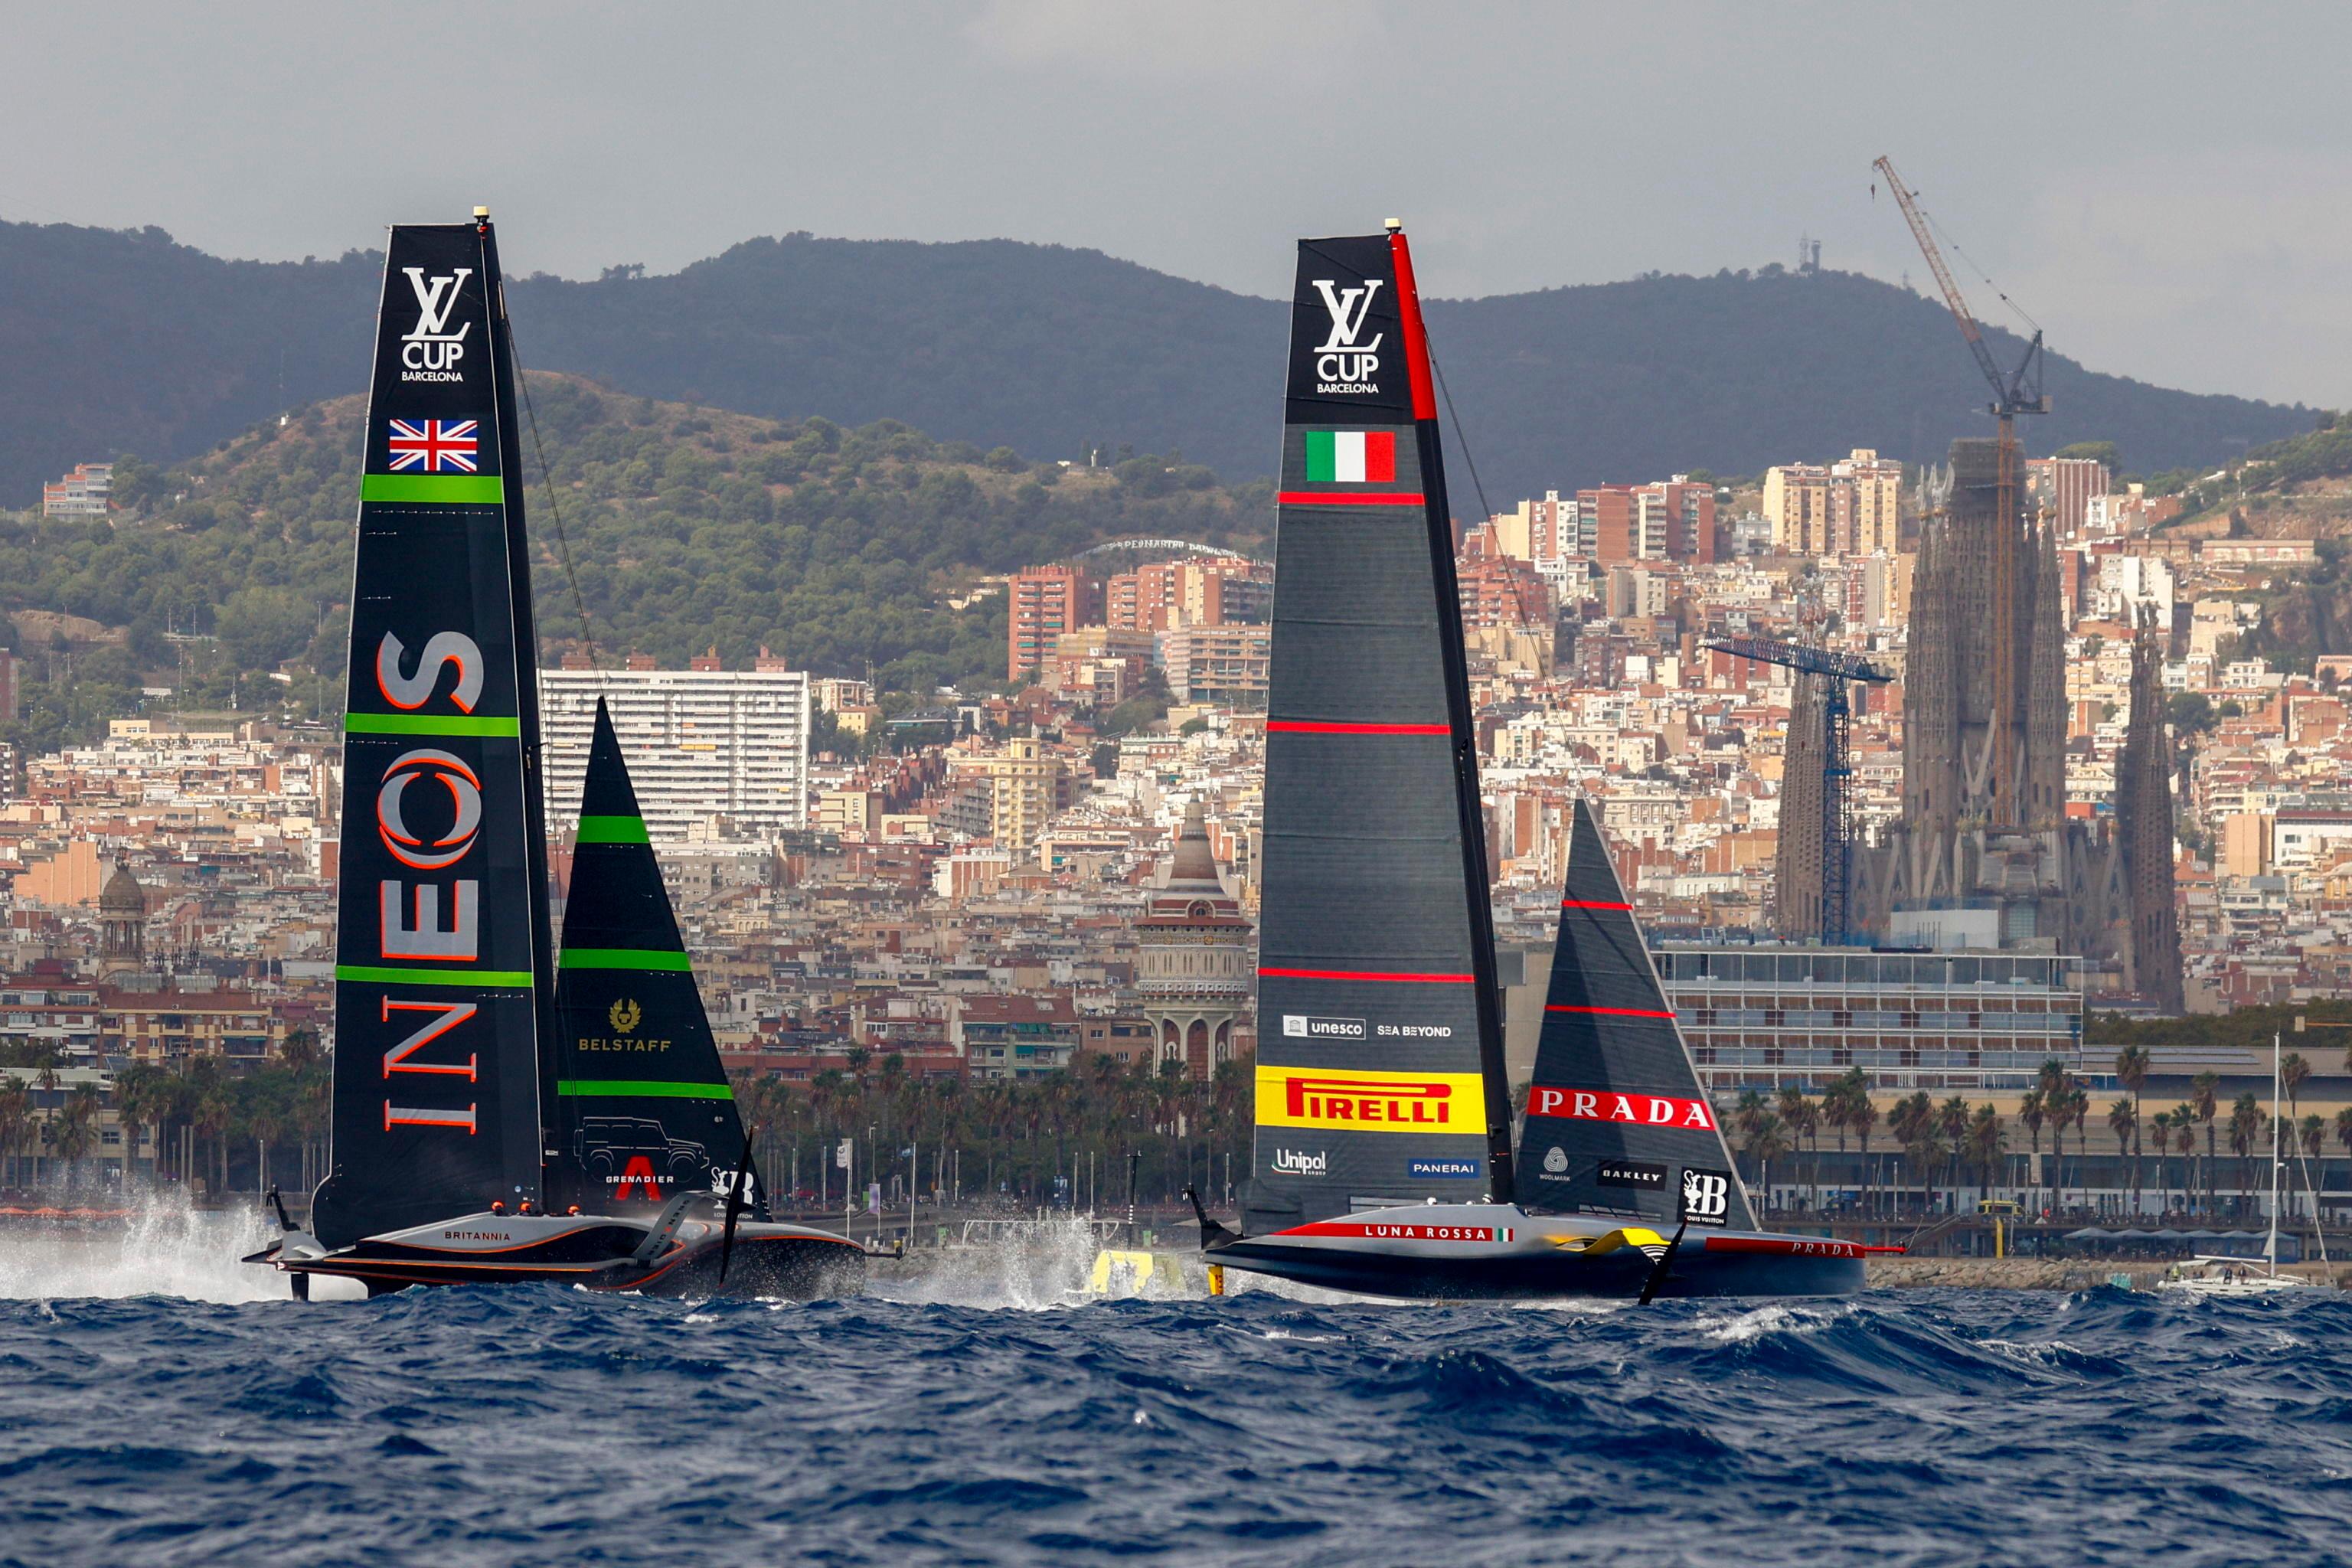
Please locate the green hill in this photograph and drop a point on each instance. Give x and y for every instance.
(838, 549)
(127, 341)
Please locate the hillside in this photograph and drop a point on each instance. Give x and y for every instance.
(685, 526)
(126, 342)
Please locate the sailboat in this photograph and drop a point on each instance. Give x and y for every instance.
(2211, 1276)
(497, 1117)
(1384, 1161)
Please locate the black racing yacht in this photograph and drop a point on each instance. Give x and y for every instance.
(500, 1114)
(1384, 1159)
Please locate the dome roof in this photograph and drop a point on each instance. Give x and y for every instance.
(122, 892)
(1194, 867)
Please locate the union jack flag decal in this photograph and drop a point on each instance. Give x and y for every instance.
(433, 446)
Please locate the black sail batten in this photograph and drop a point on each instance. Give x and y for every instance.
(441, 955)
(1617, 1123)
(642, 1105)
(1379, 1075)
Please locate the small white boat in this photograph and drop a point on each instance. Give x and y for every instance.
(2206, 1276)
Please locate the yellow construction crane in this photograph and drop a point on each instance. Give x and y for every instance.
(2019, 392)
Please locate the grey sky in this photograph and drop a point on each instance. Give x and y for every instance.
(2162, 186)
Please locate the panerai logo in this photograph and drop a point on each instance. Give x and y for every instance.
(430, 351)
(1345, 363)
(1296, 1162)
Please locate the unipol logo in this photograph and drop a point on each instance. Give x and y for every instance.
(1707, 1197)
(430, 351)
(1346, 362)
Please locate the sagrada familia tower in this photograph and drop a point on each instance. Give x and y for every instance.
(1985, 844)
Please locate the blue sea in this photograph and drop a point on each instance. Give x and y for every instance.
(991, 1417)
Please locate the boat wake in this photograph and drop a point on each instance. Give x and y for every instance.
(166, 1246)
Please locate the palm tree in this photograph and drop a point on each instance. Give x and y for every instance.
(2162, 1122)
(2131, 1070)
(2246, 1121)
(2123, 1120)
(1952, 1129)
(1862, 1115)
(1986, 1142)
(76, 1130)
(2078, 1113)
(2032, 1111)
(1913, 1123)
(2184, 1139)
(1802, 1118)
(1766, 1140)
(142, 1095)
(2201, 1100)
(16, 1120)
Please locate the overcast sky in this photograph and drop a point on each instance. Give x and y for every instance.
(2162, 186)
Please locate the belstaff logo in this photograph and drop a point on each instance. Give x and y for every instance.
(430, 351)
(624, 1015)
(466, 802)
(1345, 362)
(1707, 1197)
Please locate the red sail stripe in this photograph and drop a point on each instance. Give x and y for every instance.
(1611, 1011)
(1332, 727)
(1342, 498)
(1591, 904)
(1359, 975)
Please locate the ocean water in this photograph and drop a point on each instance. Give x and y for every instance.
(989, 1413)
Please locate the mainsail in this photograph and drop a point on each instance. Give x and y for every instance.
(1380, 1055)
(1617, 1123)
(442, 943)
(642, 1105)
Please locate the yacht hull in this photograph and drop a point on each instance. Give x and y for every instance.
(596, 1252)
(1500, 1252)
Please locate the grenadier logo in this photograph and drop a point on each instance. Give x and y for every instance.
(1328, 1098)
(1608, 1105)
(639, 1174)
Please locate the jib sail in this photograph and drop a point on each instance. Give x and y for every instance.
(442, 945)
(1378, 1076)
(642, 1104)
(1617, 1123)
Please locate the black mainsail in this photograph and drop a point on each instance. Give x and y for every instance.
(641, 1106)
(1380, 1076)
(442, 941)
(1617, 1124)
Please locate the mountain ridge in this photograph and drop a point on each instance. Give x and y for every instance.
(144, 345)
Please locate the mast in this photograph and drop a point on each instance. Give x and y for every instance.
(442, 958)
(2270, 1247)
(1379, 1072)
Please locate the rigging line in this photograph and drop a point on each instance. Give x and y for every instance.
(1486, 510)
(555, 511)
(1982, 276)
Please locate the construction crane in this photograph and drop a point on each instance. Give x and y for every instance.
(2018, 392)
(1837, 811)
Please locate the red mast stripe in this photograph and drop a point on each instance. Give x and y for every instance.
(1417, 346)
(1327, 727)
(1610, 1011)
(1343, 498)
(1360, 974)
(1591, 904)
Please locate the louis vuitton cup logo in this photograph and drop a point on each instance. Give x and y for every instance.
(430, 351)
(1707, 1197)
(1346, 362)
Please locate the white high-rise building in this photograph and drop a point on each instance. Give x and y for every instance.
(701, 745)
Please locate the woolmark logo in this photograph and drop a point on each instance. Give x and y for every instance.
(430, 351)
(1345, 362)
(1297, 1162)
(1300, 1025)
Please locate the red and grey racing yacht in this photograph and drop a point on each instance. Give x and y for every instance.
(1384, 1159)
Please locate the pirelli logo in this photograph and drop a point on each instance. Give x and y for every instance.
(1331, 1098)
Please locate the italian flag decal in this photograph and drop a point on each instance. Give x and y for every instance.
(1351, 457)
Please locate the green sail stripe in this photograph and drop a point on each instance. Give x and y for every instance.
(434, 490)
(640, 1089)
(624, 958)
(488, 979)
(613, 830)
(430, 724)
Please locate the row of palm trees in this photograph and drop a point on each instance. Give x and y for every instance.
(1948, 1143)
